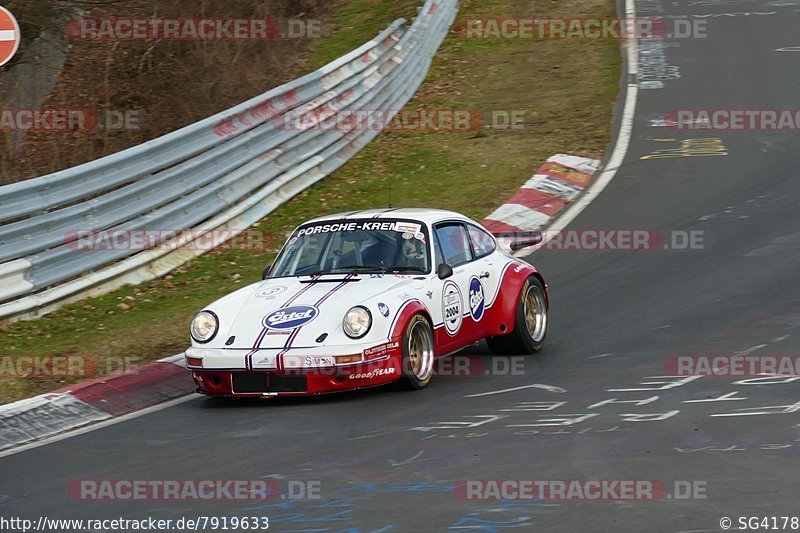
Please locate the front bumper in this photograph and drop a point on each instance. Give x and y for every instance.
(294, 372)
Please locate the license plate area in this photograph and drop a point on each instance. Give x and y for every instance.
(262, 382)
(250, 383)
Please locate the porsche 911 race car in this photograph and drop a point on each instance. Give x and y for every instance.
(367, 298)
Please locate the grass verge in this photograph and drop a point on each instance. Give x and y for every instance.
(565, 89)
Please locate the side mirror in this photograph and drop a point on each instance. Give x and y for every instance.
(265, 274)
(525, 240)
(444, 271)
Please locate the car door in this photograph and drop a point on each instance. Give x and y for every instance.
(458, 327)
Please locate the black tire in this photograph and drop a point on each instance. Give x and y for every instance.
(417, 339)
(522, 340)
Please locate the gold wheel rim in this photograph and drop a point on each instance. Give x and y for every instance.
(420, 351)
(535, 313)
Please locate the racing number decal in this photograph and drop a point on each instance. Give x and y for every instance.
(452, 307)
(477, 299)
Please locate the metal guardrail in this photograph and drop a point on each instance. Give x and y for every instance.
(224, 172)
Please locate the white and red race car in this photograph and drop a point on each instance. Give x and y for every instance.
(367, 298)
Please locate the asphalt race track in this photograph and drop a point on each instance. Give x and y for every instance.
(387, 460)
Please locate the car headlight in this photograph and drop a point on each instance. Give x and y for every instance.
(357, 322)
(204, 326)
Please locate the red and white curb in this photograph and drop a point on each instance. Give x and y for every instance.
(93, 401)
(552, 188)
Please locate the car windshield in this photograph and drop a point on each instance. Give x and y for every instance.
(355, 245)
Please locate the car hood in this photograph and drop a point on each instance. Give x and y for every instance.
(296, 312)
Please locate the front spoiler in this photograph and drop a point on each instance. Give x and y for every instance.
(300, 374)
(293, 358)
(300, 382)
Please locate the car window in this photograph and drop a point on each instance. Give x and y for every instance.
(437, 250)
(364, 245)
(309, 254)
(454, 243)
(482, 242)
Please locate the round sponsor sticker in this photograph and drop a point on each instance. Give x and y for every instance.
(271, 292)
(452, 307)
(477, 300)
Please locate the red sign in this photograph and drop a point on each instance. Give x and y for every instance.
(9, 36)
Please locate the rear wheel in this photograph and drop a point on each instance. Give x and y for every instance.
(418, 353)
(530, 322)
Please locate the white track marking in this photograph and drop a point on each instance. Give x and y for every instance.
(402, 463)
(548, 388)
(599, 356)
(99, 425)
(751, 349)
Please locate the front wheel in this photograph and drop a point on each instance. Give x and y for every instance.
(418, 353)
(530, 322)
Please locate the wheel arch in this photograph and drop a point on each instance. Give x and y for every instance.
(544, 284)
(504, 308)
(408, 310)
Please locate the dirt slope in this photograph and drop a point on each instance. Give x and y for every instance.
(161, 84)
